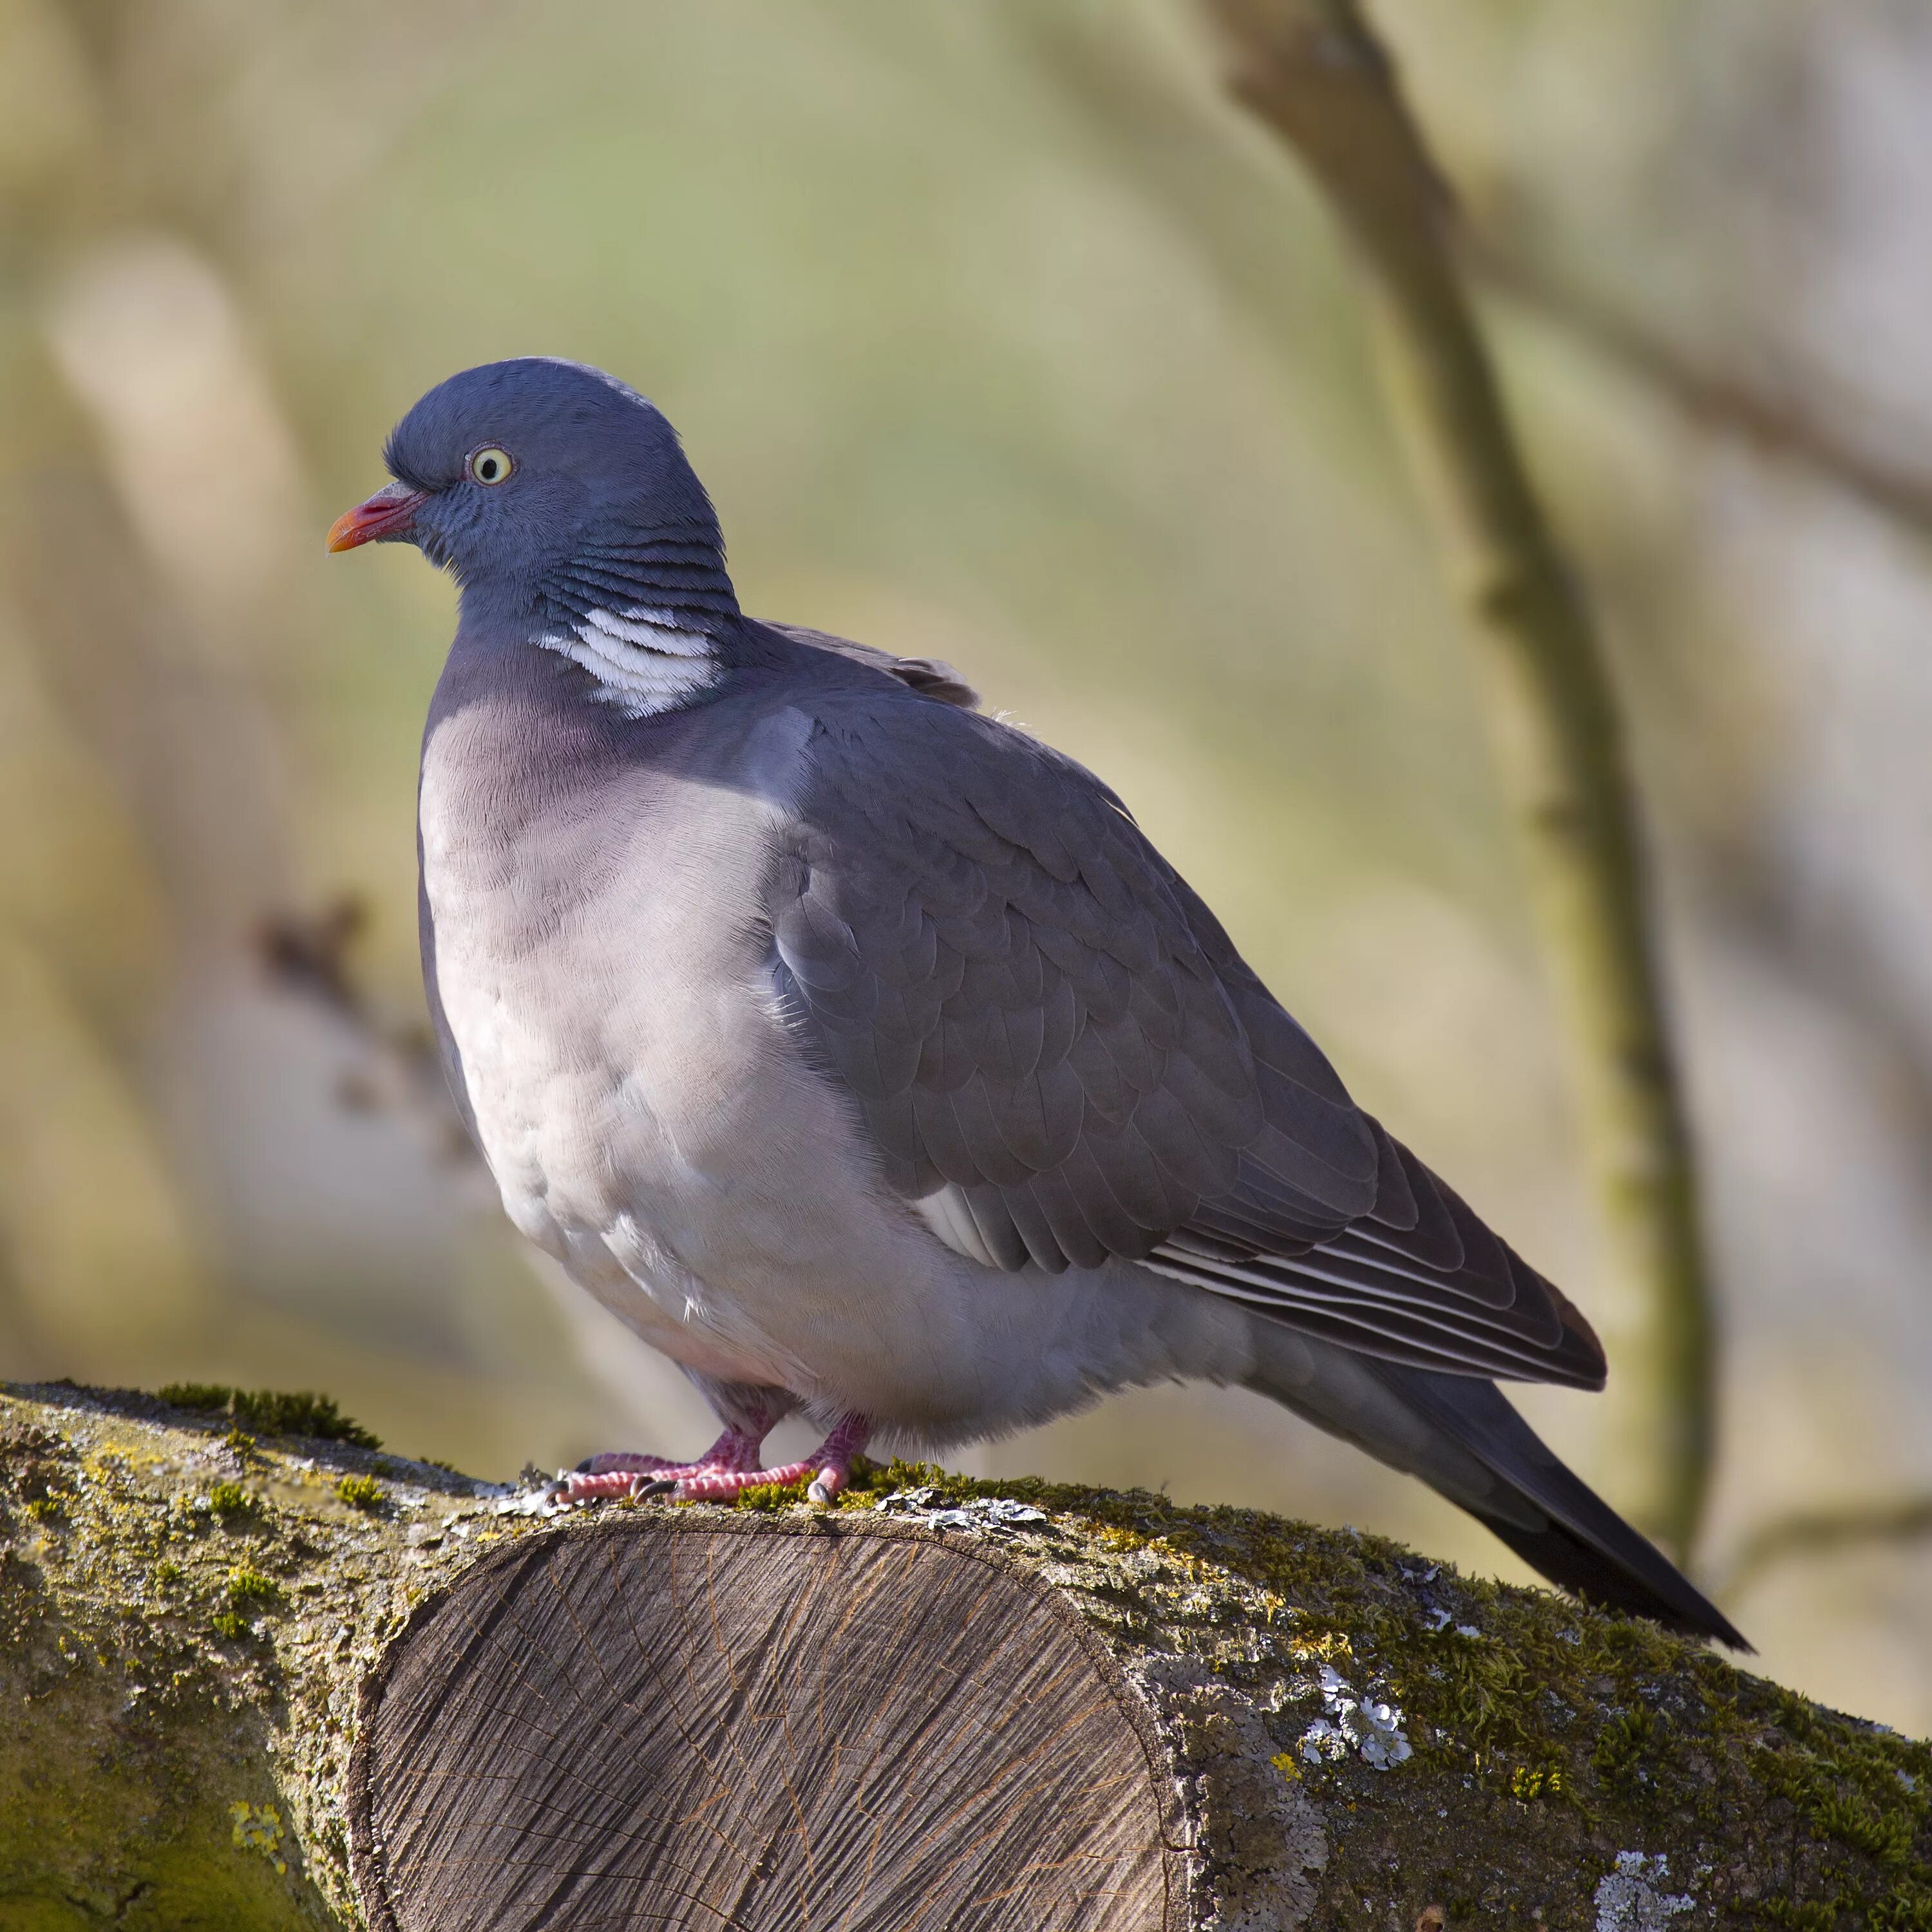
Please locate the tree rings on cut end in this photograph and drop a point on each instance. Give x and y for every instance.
(661, 1720)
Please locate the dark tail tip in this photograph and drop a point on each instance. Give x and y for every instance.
(1647, 1587)
(1582, 1546)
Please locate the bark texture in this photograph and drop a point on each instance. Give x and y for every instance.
(254, 1682)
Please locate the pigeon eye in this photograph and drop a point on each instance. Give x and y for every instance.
(491, 464)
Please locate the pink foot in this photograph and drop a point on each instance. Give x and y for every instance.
(829, 1468)
(624, 1475)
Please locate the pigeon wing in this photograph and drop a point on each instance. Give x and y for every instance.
(1061, 1059)
(933, 677)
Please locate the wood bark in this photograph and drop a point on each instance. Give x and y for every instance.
(291, 1683)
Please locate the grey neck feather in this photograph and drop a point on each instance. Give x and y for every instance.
(644, 614)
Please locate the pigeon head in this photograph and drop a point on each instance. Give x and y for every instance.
(554, 493)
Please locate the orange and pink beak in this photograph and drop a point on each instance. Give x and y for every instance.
(388, 515)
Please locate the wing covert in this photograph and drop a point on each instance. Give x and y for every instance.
(1061, 1058)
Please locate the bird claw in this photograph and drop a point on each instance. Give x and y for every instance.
(728, 1467)
(832, 1477)
(624, 1476)
(827, 1471)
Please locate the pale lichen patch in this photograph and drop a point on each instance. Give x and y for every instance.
(1630, 1897)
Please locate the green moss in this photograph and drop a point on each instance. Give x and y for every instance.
(230, 1499)
(1621, 1747)
(1816, 1916)
(1903, 1911)
(764, 1498)
(103, 1833)
(272, 1411)
(1530, 1781)
(248, 1588)
(1887, 1836)
(362, 1493)
(246, 1594)
(152, 1682)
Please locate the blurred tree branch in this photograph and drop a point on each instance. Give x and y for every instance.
(1314, 71)
(1814, 1532)
(1776, 424)
(310, 954)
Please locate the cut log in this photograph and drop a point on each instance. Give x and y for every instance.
(758, 1722)
(254, 1683)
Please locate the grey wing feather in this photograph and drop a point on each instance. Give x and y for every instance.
(931, 677)
(1038, 1020)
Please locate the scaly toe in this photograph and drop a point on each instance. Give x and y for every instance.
(582, 1486)
(715, 1485)
(657, 1478)
(625, 1462)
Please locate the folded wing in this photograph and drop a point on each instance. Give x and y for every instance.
(1061, 1059)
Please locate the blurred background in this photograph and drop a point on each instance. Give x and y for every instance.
(998, 337)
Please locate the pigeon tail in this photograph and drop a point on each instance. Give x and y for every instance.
(1459, 1434)
(1584, 1546)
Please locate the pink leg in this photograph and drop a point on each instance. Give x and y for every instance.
(829, 1467)
(623, 1475)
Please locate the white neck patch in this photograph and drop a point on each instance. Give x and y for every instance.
(643, 660)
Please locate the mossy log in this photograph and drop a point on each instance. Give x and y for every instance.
(255, 1682)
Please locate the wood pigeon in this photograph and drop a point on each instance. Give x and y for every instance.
(860, 1052)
